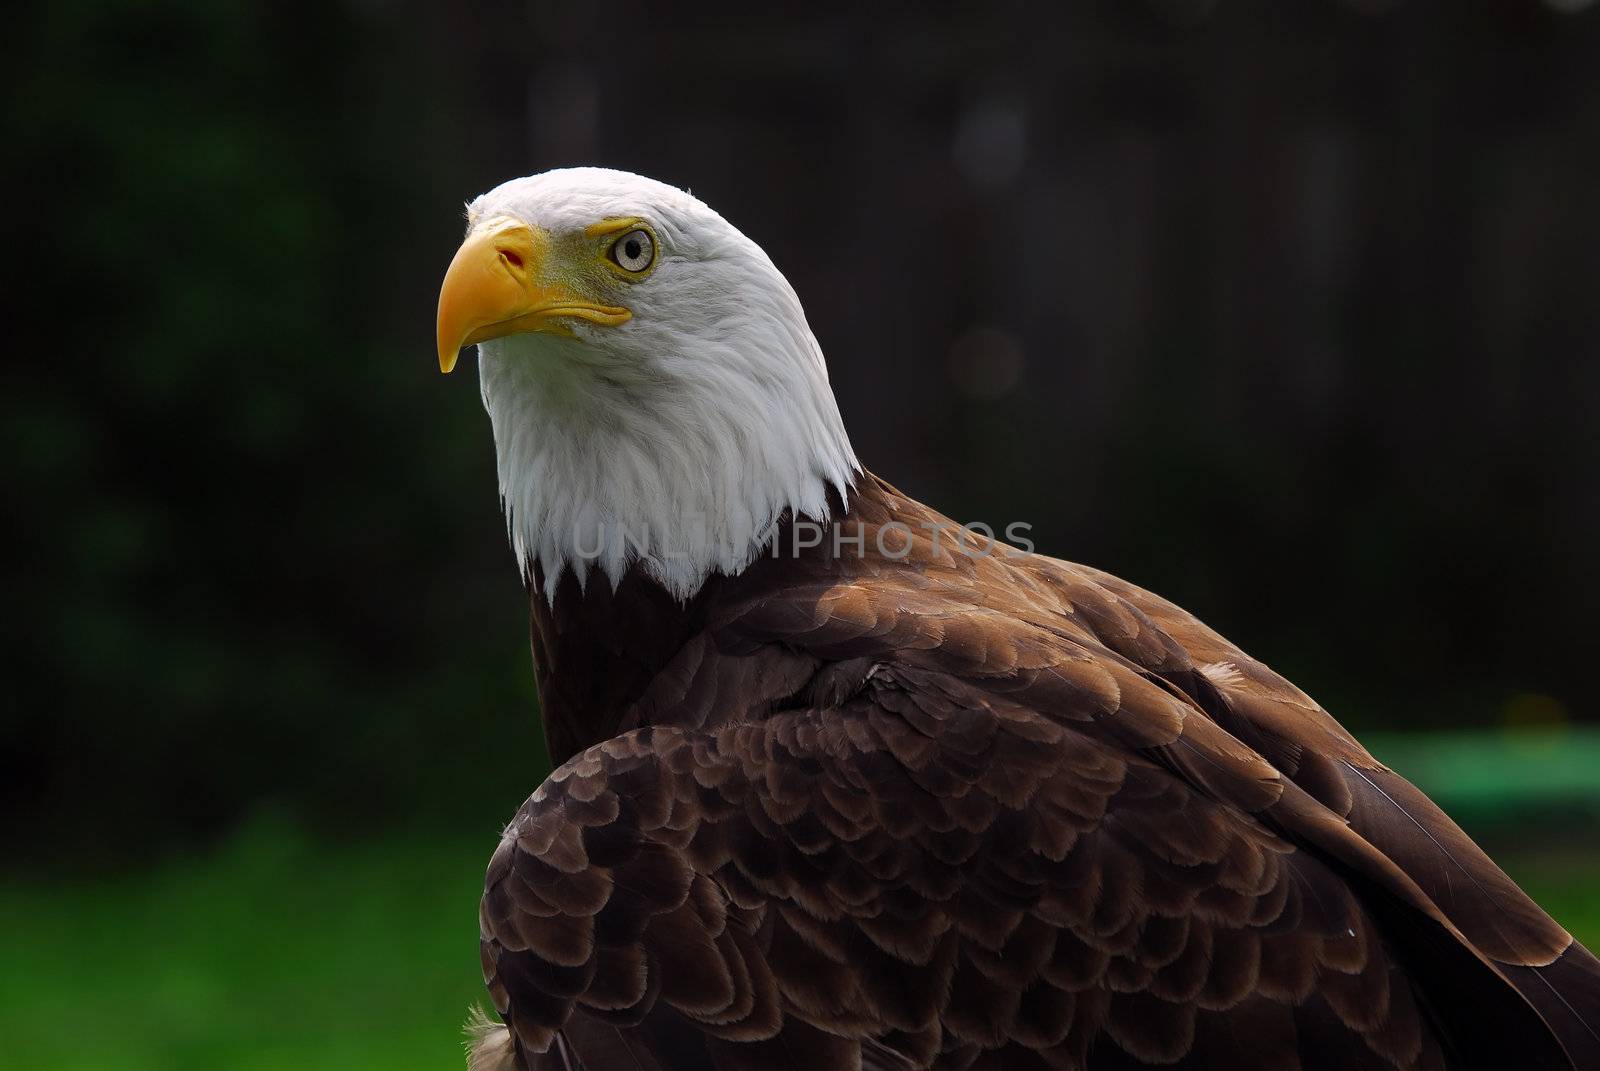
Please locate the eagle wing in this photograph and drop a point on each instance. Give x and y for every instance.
(1280, 722)
(926, 873)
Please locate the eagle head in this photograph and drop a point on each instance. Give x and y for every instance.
(657, 398)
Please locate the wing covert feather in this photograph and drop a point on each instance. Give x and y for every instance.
(955, 881)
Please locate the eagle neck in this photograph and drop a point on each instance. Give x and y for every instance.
(681, 465)
(608, 659)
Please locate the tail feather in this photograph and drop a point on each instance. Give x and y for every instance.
(1567, 993)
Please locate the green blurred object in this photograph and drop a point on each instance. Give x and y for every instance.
(1492, 782)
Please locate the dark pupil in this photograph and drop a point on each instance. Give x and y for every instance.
(632, 248)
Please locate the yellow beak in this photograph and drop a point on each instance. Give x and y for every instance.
(495, 287)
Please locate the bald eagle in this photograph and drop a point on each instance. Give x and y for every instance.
(844, 784)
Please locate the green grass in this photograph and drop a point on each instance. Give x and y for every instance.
(269, 954)
(275, 952)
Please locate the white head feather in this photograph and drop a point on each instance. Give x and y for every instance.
(678, 438)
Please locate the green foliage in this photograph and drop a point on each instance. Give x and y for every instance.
(1317, 369)
(261, 558)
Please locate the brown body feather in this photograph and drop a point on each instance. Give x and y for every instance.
(959, 809)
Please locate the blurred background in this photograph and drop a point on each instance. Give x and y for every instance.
(1286, 311)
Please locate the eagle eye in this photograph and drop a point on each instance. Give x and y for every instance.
(634, 251)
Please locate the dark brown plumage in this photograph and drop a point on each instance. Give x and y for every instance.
(967, 810)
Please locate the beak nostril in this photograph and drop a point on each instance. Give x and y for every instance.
(511, 257)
